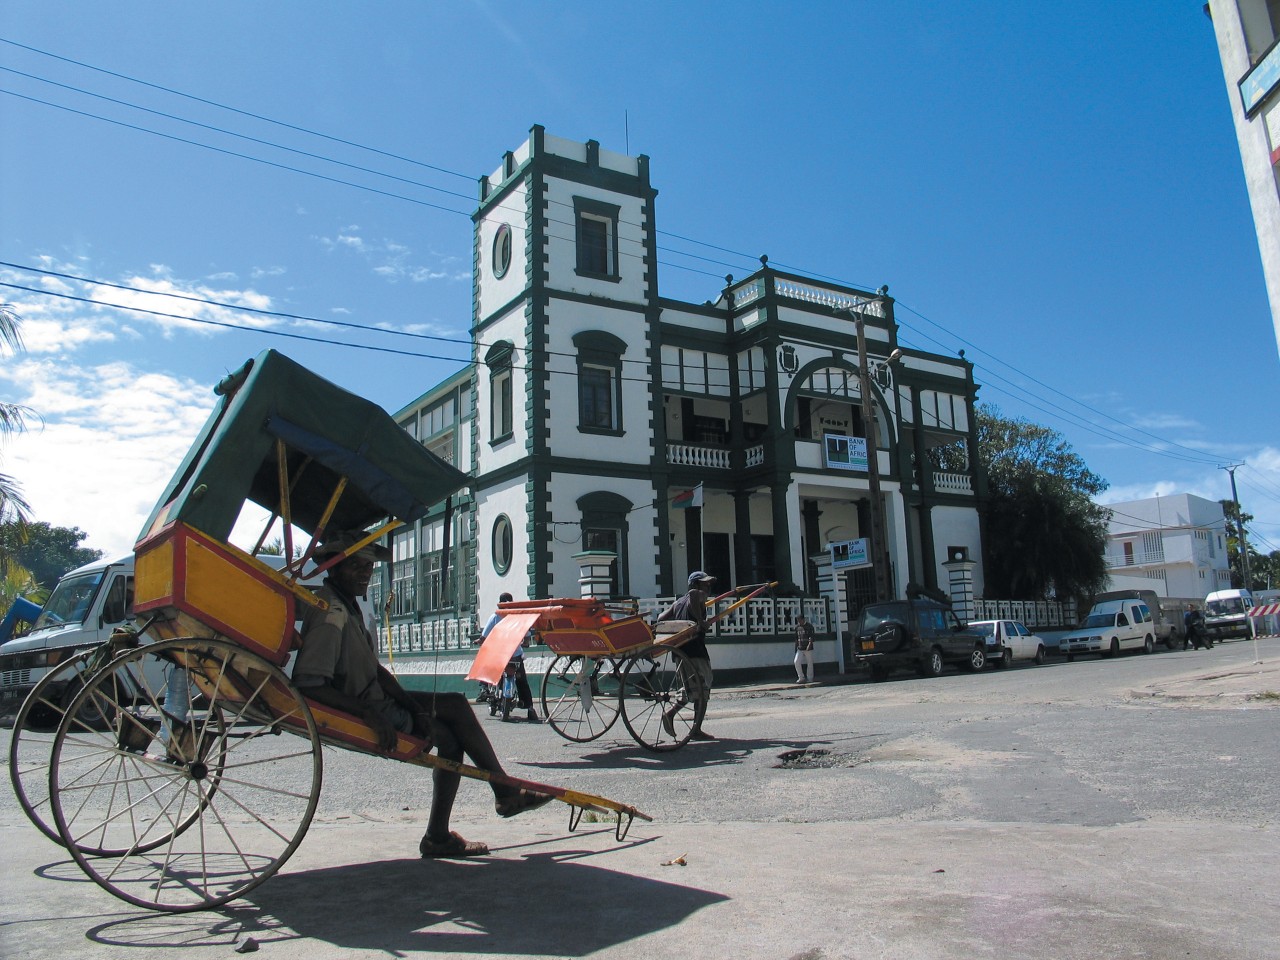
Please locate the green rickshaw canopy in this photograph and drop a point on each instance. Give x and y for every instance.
(328, 433)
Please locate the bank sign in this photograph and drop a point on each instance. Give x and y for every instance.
(850, 553)
(845, 453)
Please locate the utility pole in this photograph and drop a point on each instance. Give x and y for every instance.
(1244, 542)
(879, 546)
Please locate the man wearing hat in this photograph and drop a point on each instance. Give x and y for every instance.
(338, 666)
(693, 606)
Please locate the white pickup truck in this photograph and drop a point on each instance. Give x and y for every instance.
(1110, 627)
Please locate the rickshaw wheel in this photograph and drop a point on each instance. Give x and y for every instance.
(581, 696)
(136, 786)
(34, 732)
(660, 706)
(34, 729)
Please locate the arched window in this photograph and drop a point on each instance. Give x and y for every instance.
(498, 360)
(599, 381)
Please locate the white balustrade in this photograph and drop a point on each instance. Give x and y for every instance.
(808, 293)
(952, 483)
(691, 455)
(748, 293)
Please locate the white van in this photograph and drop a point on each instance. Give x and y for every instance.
(86, 605)
(1226, 613)
(1110, 627)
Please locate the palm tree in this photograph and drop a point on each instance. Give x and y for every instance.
(13, 419)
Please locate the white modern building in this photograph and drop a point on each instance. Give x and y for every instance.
(1176, 546)
(1247, 32)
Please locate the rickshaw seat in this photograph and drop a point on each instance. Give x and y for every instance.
(342, 729)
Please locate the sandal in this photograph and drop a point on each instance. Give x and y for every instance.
(452, 846)
(520, 801)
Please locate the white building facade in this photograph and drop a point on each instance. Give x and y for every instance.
(1176, 546)
(597, 405)
(1247, 32)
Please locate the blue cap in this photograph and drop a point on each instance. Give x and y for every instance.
(700, 576)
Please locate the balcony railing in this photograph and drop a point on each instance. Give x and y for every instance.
(717, 458)
(691, 455)
(1138, 558)
(952, 483)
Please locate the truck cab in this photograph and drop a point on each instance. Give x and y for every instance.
(85, 606)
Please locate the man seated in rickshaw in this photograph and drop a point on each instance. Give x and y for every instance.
(338, 666)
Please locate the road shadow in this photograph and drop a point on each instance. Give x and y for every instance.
(536, 903)
(617, 754)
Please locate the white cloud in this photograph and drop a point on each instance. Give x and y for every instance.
(393, 261)
(57, 324)
(111, 439)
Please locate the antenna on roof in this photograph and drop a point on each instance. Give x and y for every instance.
(626, 129)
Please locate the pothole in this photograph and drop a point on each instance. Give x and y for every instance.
(811, 757)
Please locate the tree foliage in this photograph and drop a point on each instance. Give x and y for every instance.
(13, 419)
(1044, 537)
(1264, 568)
(46, 551)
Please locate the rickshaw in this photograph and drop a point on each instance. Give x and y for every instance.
(186, 768)
(608, 666)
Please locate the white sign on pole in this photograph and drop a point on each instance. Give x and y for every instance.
(849, 554)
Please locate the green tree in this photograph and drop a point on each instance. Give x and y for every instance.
(46, 551)
(1044, 536)
(1264, 571)
(18, 582)
(13, 419)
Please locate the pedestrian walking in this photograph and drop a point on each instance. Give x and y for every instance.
(693, 607)
(804, 649)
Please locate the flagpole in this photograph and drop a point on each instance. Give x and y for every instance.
(702, 536)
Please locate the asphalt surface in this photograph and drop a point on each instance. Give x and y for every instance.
(1120, 808)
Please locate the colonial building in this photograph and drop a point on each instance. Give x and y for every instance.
(731, 436)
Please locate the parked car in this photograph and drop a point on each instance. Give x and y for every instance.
(1166, 613)
(1009, 640)
(918, 634)
(1110, 627)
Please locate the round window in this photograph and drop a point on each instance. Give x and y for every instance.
(501, 251)
(502, 543)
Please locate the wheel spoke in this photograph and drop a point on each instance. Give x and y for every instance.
(246, 816)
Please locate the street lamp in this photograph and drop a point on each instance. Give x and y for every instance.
(879, 547)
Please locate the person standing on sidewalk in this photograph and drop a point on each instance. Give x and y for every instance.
(804, 649)
(693, 607)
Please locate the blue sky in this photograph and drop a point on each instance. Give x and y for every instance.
(1055, 189)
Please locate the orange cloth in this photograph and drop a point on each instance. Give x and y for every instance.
(499, 645)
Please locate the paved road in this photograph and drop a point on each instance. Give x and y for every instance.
(1119, 808)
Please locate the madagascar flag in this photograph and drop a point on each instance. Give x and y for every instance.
(688, 498)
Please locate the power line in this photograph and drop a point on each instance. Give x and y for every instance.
(1199, 456)
(1107, 433)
